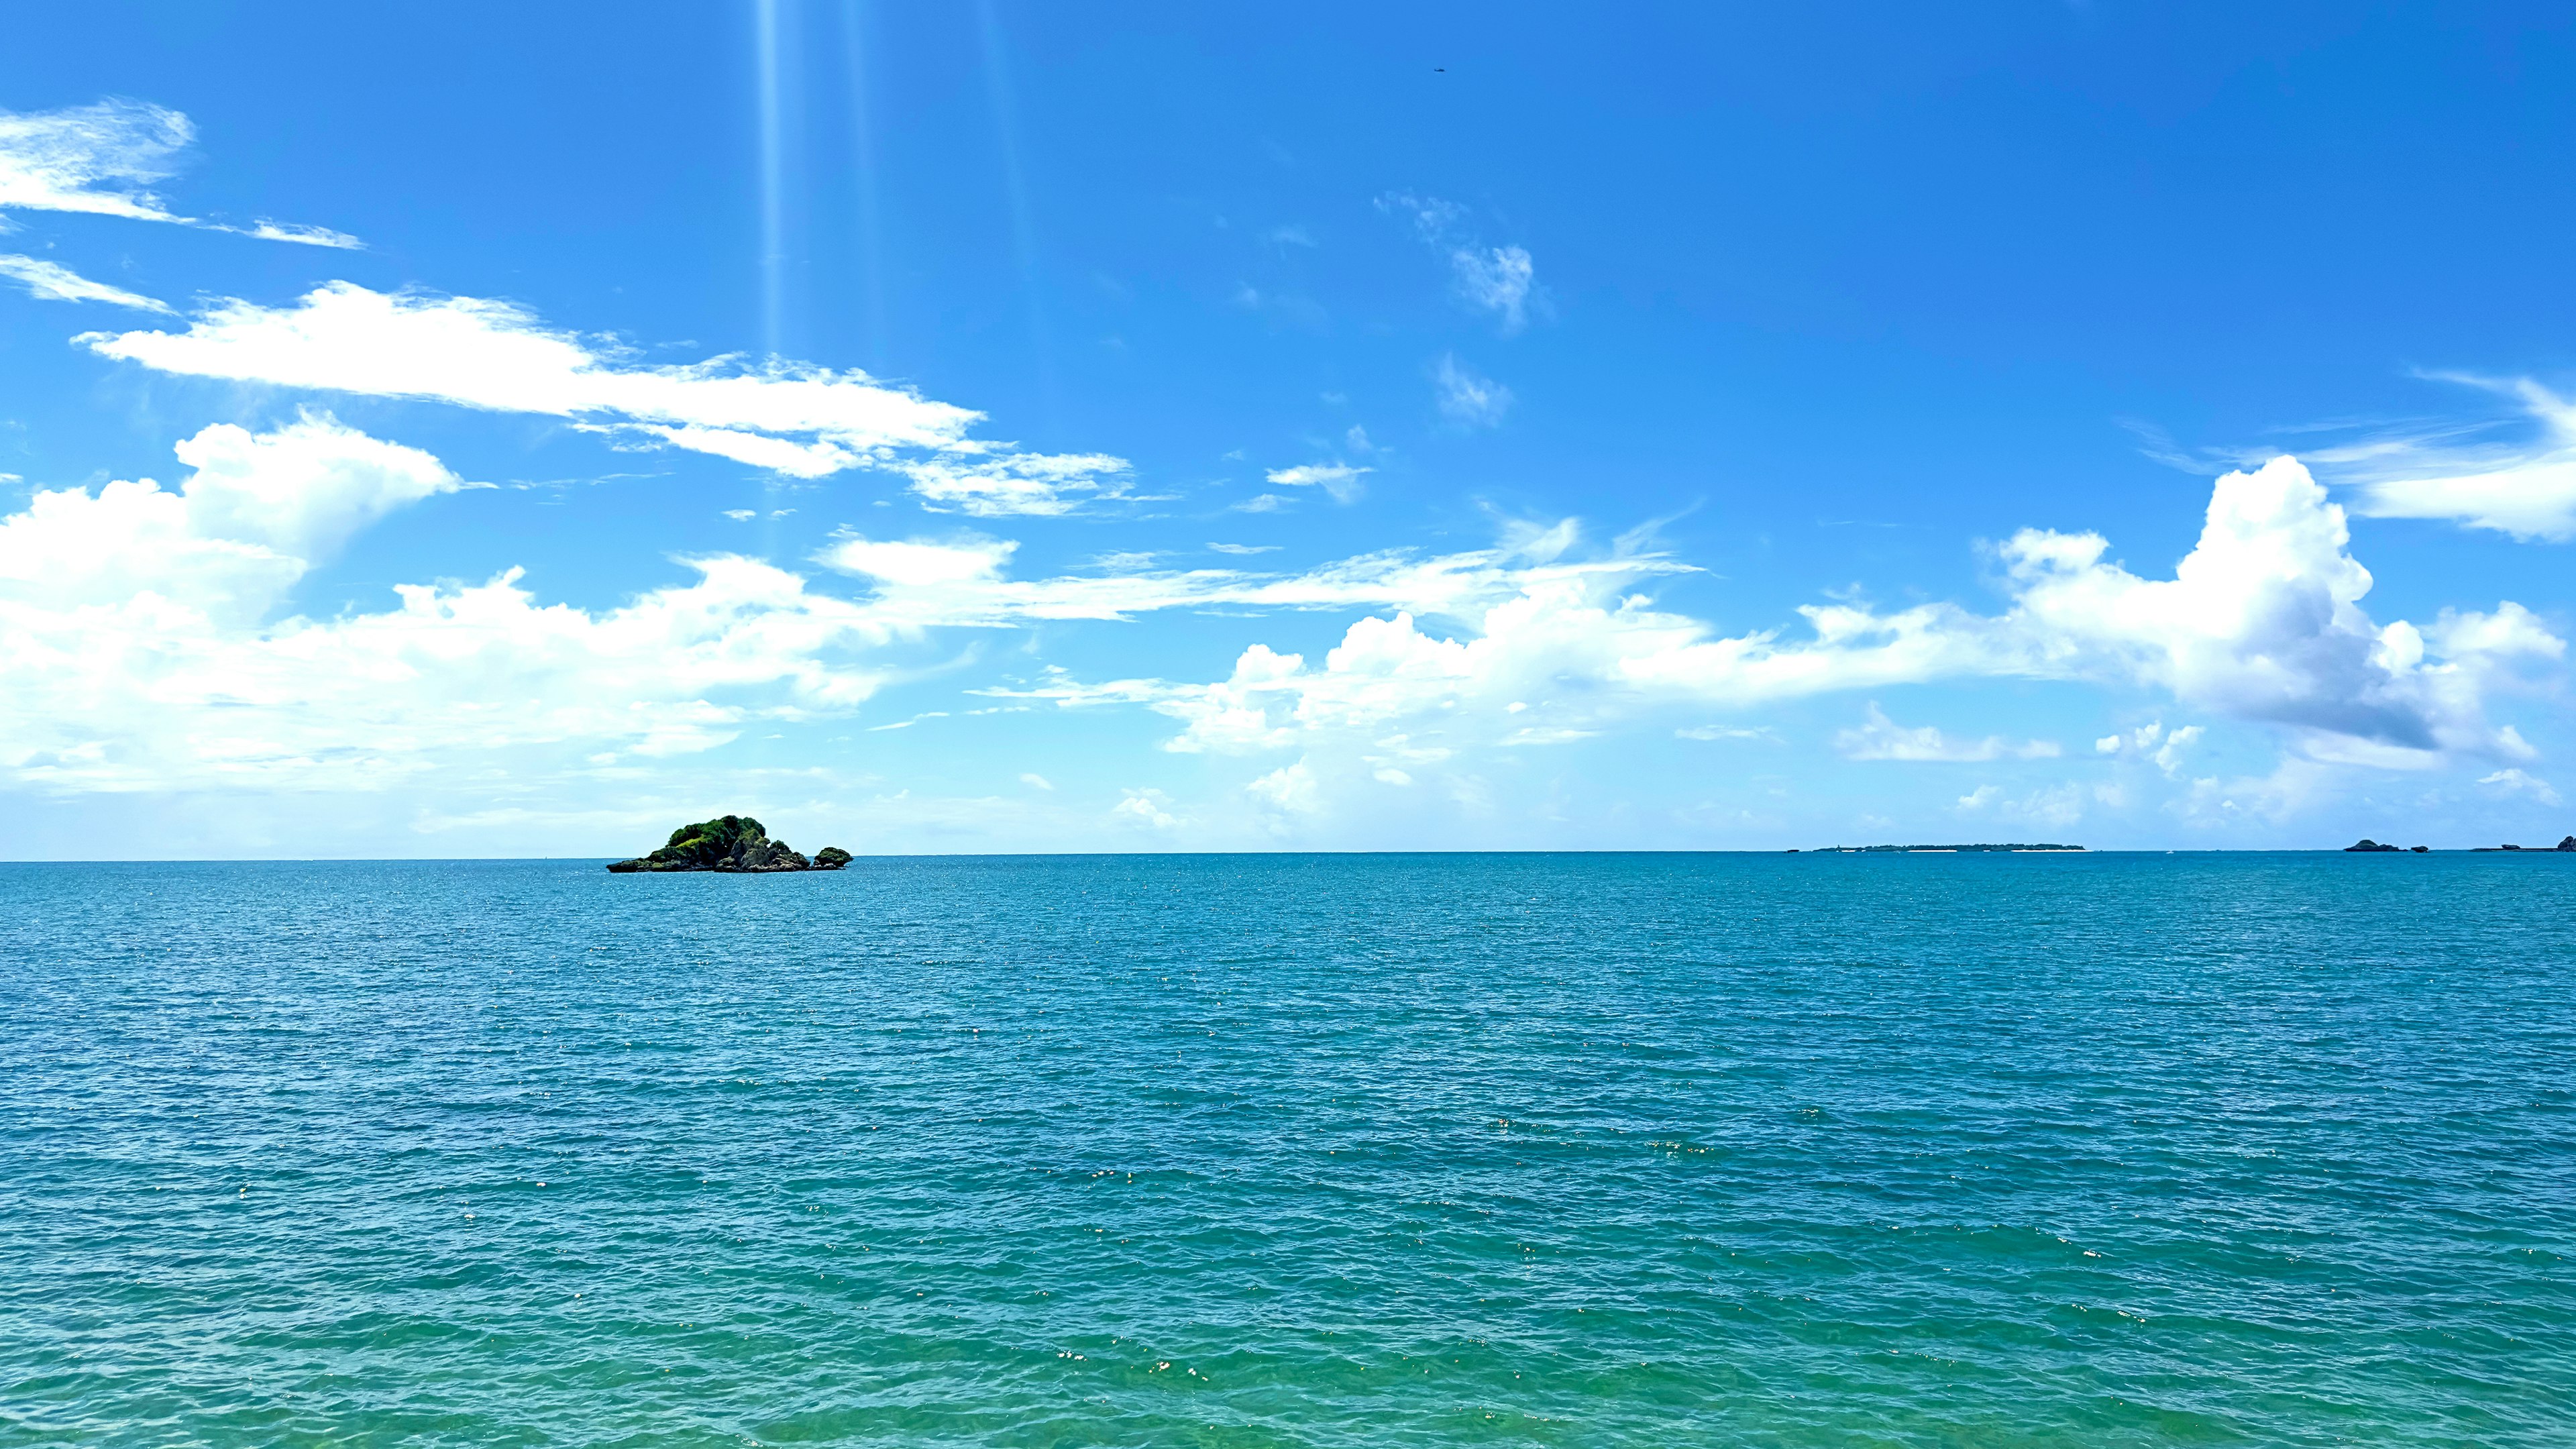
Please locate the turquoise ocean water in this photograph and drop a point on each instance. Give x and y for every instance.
(1559, 1150)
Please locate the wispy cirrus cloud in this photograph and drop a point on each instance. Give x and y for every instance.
(1015, 483)
(1467, 396)
(102, 159)
(2449, 469)
(1341, 480)
(53, 282)
(99, 159)
(2526, 492)
(1500, 280)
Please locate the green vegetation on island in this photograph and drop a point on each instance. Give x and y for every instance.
(731, 843)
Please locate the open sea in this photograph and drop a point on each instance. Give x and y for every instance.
(1947, 1150)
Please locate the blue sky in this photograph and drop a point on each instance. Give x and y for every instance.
(1002, 427)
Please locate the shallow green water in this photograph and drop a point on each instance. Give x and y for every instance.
(1577, 1150)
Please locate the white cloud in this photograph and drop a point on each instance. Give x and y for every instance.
(1341, 480)
(96, 159)
(1149, 808)
(499, 357)
(1015, 483)
(1036, 781)
(920, 563)
(1432, 217)
(2152, 743)
(52, 282)
(302, 235)
(100, 159)
(2519, 782)
(2260, 622)
(1290, 789)
(2168, 757)
(1880, 738)
(2528, 493)
(1243, 549)
(958, 582)
(2055, 806)
(1497, 279)
(138, 631)
(1468, 397)
(254, 514)
(1501, 280)
(801, 421)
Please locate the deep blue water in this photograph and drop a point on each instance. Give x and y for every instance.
(1565, 1150)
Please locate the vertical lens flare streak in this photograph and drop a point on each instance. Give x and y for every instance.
(997, 78)
(773, 180)
(864, 170)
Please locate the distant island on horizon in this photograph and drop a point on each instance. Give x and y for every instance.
(2365, 846)
(2008, 849)
(731, 844)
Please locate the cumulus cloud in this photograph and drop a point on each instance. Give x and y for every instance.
(1881, 738)
(149, 640)
(2260, 622)
(254, 514)
(101, 160)
(1150, 809)
(1500, 280)
(141, 634)
(1468, 397)
(2149, 741)
(1290, 789)
(53, 282)
(472, 352)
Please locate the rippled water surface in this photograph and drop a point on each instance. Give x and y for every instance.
(1580, 1150)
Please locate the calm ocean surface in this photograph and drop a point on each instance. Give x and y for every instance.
(1579, 1150)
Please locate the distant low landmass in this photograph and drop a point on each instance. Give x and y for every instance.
(732, 843)
(2368, 846)
(1936, 849)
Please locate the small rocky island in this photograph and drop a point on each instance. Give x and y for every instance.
(732, 843)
